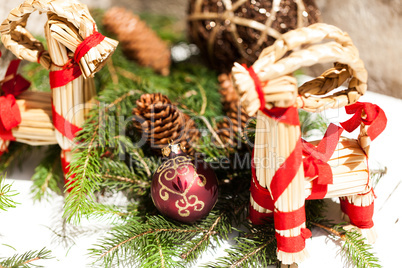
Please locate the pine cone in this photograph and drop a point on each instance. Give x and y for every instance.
(232, 127)
(138, 41)
(161, 122)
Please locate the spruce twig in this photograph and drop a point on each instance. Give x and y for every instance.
(355, 248)
(47, 174)
(205, 237)
(250, 254)
(6, 193)
(26, 259)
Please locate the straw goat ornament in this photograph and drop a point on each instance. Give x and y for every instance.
(286, 169)
(76, 51)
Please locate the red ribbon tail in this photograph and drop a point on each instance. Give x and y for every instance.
(378, 125)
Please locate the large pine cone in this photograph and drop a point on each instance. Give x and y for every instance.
(231, 129)
(161, 122)
(138, 41)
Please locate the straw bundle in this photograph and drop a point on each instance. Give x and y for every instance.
(69, 26)
(69, 100)
(74, 24)
(318, 43)
(277, 140)
(350, 173)
(275, 145)
(36, 126)
(349, 169)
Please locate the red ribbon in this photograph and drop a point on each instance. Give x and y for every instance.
(62, 77)
(258, 218)
(65, 165)
(10, 117)
(288, 115)
(293, 244)
(361, 217)
(16, 84)
(13, 85)
(289, 220)
(66, 128)
(374, 117)
(315, 163)
(286, 172)
(91, 41)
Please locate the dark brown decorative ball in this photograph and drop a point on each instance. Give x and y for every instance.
(238, 30)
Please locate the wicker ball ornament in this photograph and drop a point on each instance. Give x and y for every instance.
(183, 189)
(227, 31)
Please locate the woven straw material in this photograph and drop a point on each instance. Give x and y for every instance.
(74, 24)
(318, 43)
(161, 122)
(138, 41)
(349, 169)
(36, 127)
(227, 31)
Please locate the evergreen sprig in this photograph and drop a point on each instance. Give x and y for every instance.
(47, 175)
(96, 140)
(355, 247)
(15, 155)
(6, 194)
(25, 260)
(358, 250)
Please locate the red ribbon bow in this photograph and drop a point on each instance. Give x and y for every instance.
(373, 116)
(10, 116)
(315, 162)
(13, 85)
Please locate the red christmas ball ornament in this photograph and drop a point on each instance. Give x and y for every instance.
(182, 189)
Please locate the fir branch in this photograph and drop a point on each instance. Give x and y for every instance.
(25, 260)
(330, 230)
(150, 242)
(48, 174)
(355, 248)
(312, 124)
(204, 238)
(86, 163)
(129, 75)
(251, 254)
(16, 155)
(358, 251)
(6, 193)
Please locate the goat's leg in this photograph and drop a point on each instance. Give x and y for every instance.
(360, 209)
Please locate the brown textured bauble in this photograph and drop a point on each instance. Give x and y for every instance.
(161, 122)
(182, 188)
(138, 41)
(228, 30)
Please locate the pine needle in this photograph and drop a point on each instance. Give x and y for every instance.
(25, 260)
(6, 194)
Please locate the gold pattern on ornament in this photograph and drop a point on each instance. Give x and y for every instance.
(180, 166)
